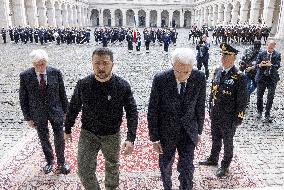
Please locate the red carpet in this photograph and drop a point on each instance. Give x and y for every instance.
(22, 169)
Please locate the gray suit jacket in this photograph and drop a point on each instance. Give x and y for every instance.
(33, 104)
(164, 118)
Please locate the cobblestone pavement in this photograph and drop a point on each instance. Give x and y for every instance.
(262, 144)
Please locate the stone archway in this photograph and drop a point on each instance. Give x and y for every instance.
(118, 17)
(95, 20)
(130, 17)
(106, 17)
(187, 19)
(153, 18)
(164, 18)
(176, 19)
(141, 18)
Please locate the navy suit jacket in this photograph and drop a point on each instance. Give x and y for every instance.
(33, 104)
(164, 120)
(275, 60)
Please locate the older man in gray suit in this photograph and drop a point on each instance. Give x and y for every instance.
(176, 116)
(43, 98)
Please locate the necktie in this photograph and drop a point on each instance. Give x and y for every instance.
(42, 85)
(182, 88)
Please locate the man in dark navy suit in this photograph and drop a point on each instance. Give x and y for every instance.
(43, 98)
(176, 116)
(267, 64)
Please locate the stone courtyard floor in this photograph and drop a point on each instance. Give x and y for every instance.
(262, 144)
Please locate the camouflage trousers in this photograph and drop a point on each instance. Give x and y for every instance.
(88, 148)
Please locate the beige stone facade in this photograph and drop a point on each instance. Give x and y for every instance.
(142, 13)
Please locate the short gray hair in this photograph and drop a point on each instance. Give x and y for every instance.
(38, 54)
(183, 55)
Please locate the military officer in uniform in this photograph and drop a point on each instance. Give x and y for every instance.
(228, 100)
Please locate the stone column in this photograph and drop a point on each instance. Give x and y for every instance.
(31, 11)
(42, 19)
(159, 18)
(280, 29)
(170, 18)
(79, 17)
(226, 15)
(220, 14)
(112, 17)
(268, 15)
(215, 15)
(65, 20)
(182, 19)
(243, 14)
(136, 17)
(84, 17)
(51, 16)
(205, 16)
(254, 13)
(4, 14)
(235, 15)
(101, 17)
(58, 17)
(210, 16)
(123, 17)
(70, 17)
(75, 18)
(19, 13)
(147, 18)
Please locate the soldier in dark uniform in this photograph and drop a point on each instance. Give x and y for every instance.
(247, 65)
(267, 76)
(147, 39)
(11, 33)
(3, 33)
(228, 100)
(129, 39)
(167, 41)
(203, 54)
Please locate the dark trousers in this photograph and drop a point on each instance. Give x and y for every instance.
(166, 47)
(4, 39)
(222, 131)
(204, 62)
(261, 86)
(251, 85)
(185, 148)
(43, 134)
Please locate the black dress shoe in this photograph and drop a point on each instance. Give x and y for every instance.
(47, 168)
(62, 169)
(259, 115)
(208, 162)
(268, 119)
(222, 171)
